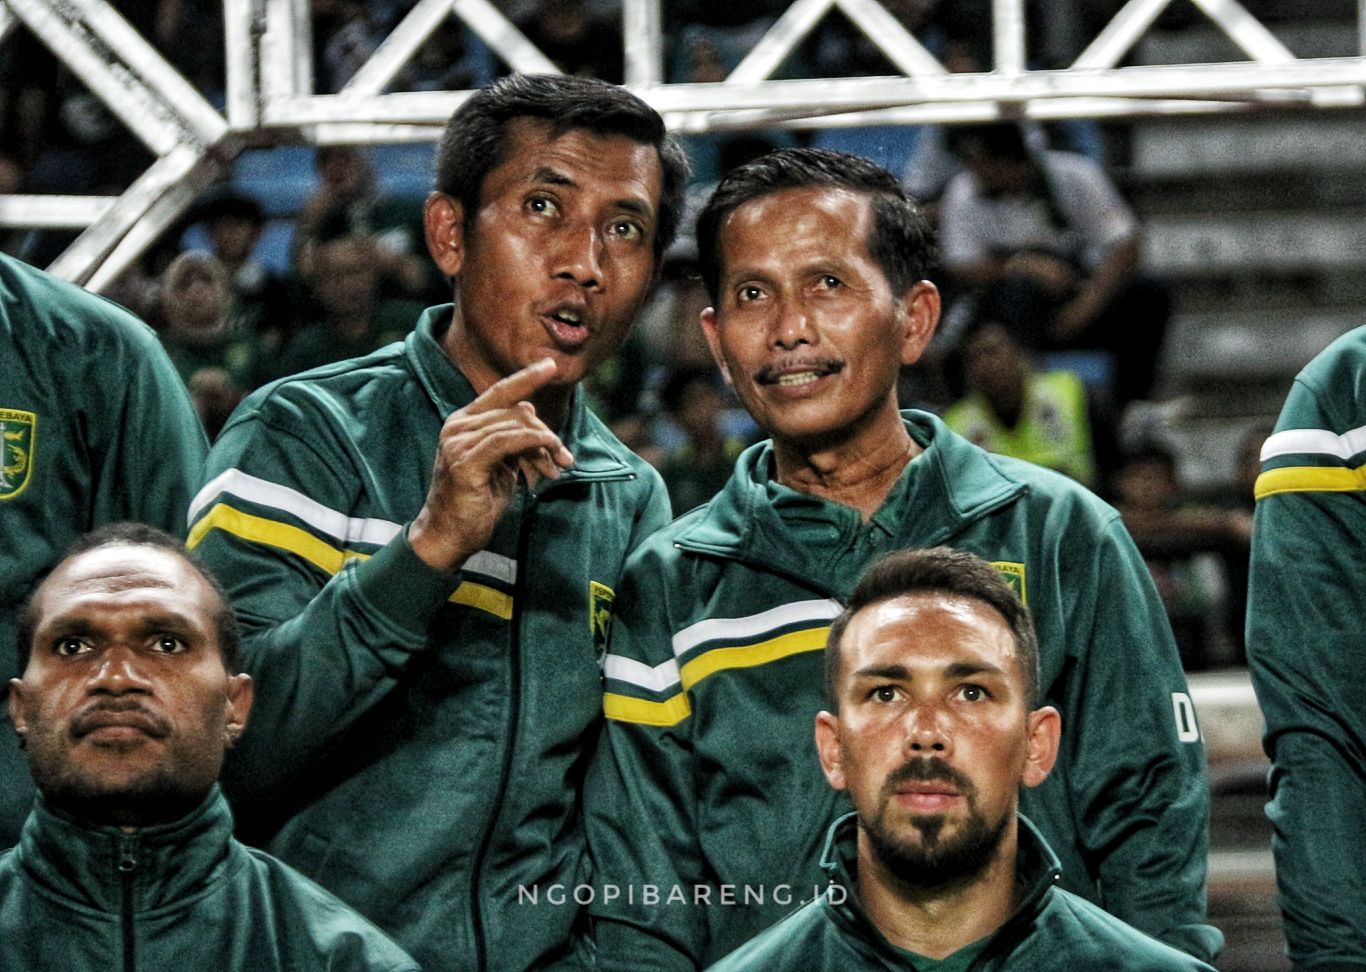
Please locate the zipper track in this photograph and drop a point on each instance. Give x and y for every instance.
(514, 711)
(127, 866)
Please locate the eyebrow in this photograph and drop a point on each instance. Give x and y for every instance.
(545, 175)
(956, 670)
(172, 622)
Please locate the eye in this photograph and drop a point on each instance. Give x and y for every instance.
(883, 693)
(973, 693)
(170, 644)
(748, 294)
(626, 229)
(541, 205)
(830, 282)
(67, 647)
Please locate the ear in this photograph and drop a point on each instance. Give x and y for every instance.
(18, 707)
(1044, 729)
(920, 309)
(710, 329)
(443, 220)
(238, 704)
(828, 749)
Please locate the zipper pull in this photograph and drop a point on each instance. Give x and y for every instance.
(128, 853)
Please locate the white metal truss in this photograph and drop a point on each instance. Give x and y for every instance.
(270, 97)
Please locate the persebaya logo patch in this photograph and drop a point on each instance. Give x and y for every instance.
(1014, 575)
(600, 598)
(18, 433)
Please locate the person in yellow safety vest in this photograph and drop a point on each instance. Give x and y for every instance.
(1014, 410)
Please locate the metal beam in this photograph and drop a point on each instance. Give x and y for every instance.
(891, 37)
(642, 37)
(54, 212)
(243, 25)
(399, 47)
(502, 35)
(779, 41)
(1121, 33)
(124, 71)
(1246, 31)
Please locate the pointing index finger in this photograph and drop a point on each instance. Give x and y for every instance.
(516, 387)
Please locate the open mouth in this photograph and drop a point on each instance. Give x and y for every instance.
(566, 326)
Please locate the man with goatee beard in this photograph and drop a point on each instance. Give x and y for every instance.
(932, 678)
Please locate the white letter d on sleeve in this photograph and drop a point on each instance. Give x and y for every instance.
(1184, 709)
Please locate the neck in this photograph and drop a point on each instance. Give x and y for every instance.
(857, 471)
(937, 921)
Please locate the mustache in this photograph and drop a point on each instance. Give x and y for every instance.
(925, 768)
(771, 372)
(121, 712)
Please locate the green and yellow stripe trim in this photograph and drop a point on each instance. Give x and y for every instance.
(675, 708)
(1310, 479)
(324, 556)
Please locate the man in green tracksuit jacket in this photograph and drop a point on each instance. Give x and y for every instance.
(1051, 928)
(933, 727)
(95, 427)
(1306, 601)
(129, 696)
(428, 636)
(705, 784)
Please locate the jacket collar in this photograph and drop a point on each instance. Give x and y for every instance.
(1036, 870)
(755, 517)
(597, 453)
(170, 863)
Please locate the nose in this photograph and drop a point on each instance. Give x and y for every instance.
(117, 672)
(579, 256)
(791, 326)
(927, 731)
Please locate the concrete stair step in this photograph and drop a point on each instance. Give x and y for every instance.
(1196, 244)
(1299, 145)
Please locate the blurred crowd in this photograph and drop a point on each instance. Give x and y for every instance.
(1052, 328)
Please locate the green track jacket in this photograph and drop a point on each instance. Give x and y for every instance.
(1306, 604)
(417, 743)
(1052, 928)
(183, 895)
(708, 774)
(95, 427)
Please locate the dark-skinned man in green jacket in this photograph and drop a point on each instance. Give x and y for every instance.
(130, 695)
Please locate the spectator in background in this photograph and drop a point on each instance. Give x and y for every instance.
(352, 317)
(1044, 242)
(1196, 553)
(695, 469)
(347, 202)
(1042, 417)
(197, 326)
(95, 427)
(578, 41)
(234, 223)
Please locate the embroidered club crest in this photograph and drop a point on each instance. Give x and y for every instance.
(18, 435)
(1014, 576)
(600, 598)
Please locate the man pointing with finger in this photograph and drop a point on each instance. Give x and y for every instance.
(422, 544)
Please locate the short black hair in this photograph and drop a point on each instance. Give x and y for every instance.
(901, 240)
(475, 140)
(228, 631)
(937, 570)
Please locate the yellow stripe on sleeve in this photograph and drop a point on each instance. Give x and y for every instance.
(1310, 479)
(624, 708)
(748, 656)
(257, 529)
(324, 556)
(484, 598)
